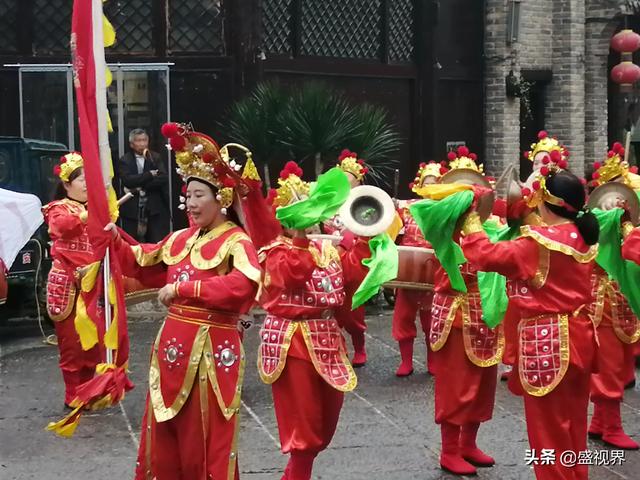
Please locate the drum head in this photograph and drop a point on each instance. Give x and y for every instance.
(613, 191)
(467, 176)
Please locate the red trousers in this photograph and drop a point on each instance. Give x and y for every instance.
(408, 303)
(197, 444)
(616, 366)
(465, 393)
(307, 408)
(351, 320)
(558, 421)
(77, 366)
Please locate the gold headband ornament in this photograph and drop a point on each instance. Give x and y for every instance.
(613, 167)
(552, 164)
(68, 164)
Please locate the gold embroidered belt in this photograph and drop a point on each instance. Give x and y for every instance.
(202, 316)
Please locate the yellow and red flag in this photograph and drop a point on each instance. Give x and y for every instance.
(101, 309)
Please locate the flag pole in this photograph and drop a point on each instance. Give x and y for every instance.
(103, 145)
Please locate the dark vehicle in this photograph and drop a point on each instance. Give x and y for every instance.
(26, 166)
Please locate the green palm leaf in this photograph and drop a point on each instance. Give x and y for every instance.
(254, 121)
(376, 141)
(316, 123)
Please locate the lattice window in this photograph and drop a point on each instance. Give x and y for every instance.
(350, 29)
(276, 26)
(51, 26)
(133, 21)
(401, 38)
(8, 25)
(196, 26)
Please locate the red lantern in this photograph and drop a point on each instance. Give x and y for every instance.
(625, 41)
(625, 74)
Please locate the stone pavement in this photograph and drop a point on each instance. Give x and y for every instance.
(386, 429)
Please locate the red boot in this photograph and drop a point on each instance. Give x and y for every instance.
(406, 358)
(430, 367)
(72, 379)
(468, 448)
(613, 433)
(359, 351)
(287, 469)
(301, 465)
(596, 426)
(450, 458)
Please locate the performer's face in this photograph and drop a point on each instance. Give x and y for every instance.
(353, 181)
(205, 210)
(77, 188)
(429, 180)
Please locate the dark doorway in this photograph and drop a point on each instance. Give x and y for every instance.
(532, 117)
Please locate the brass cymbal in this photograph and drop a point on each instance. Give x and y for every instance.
(613, 192)
(467, 176)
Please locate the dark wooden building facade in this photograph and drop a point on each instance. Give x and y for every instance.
(421, 59)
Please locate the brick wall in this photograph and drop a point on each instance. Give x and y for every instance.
(570, 38)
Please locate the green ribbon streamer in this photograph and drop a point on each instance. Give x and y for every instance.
(437, 222)
(382, 265)
(325, 199)
(491, 285)
(624, 272)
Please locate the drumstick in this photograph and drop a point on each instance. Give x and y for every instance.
(124, 198)
(627, 144)
(396, 182)
(267, 179)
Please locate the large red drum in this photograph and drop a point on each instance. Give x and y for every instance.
(416, 269)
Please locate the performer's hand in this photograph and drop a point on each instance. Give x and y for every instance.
(166, 294)
(154, 173)
(111, 227)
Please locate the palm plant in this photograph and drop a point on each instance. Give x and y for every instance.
(376, 141)
(254, 121)
(316, 124)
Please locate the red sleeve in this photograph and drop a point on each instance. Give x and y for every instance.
(152, 276)
(354, 271)
(63, 223)
(290, 266)
(631, 246)
(231, 292)
(516, 259)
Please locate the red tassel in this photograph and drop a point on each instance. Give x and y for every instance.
(169, 129)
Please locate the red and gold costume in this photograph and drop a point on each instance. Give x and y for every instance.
(556, 338)
(190, 426)
(618, 332)
(70, 250)
(411, 302)
(466, 353)
(303, 353)
(353, 321)
(631, 246)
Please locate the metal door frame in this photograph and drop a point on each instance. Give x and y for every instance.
(117, 70)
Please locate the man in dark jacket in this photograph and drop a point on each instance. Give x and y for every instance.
(146, 216)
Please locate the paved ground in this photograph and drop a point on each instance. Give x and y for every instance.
(386, 429)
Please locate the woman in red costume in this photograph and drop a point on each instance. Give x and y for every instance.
(618, 330)
(466, 353)
(303, 353)
(549, 268)
(353, 321)
(410, 302)
(66, 217)
(208, 276)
